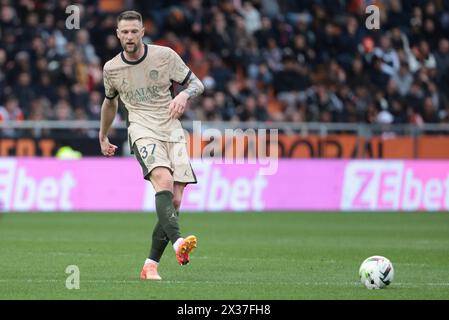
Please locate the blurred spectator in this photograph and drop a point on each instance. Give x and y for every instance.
(221, 41)
(84, 46)
(378, 76)
(420, 56)
(442, 60)
(289, 82)
(388, 55)
(210, 109)
(270, 8)
(63, 111)
(24, 91)
(259, 59)
(398, 111)
(220, 73)
(251, 111)
(3, 60)
(10, 112)
(349, 41)
(251, 17)
(429, 114)
(40, 111)
(264, 33)
(403, 79)
(357, 76)
(81, 115)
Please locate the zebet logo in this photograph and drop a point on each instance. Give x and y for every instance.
(21, 191)
(218, 191)
(393, 185)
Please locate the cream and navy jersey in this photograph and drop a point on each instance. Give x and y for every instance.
(145, 88)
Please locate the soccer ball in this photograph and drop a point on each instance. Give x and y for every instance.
(376, 272)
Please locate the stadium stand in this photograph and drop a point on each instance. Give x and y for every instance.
(269, 61)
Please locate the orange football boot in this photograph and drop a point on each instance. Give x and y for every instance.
(186, 247)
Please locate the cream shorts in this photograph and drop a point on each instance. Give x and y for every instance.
(152, 153)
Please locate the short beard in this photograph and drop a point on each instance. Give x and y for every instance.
(133, 50)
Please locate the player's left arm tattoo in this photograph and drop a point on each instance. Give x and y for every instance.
(194, 86)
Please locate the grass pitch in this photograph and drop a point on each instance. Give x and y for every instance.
(290, 256)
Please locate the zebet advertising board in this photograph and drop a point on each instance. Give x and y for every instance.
(117, 185)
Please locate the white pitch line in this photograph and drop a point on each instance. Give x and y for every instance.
(400, 284)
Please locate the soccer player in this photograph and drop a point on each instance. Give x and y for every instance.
(143, 75)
